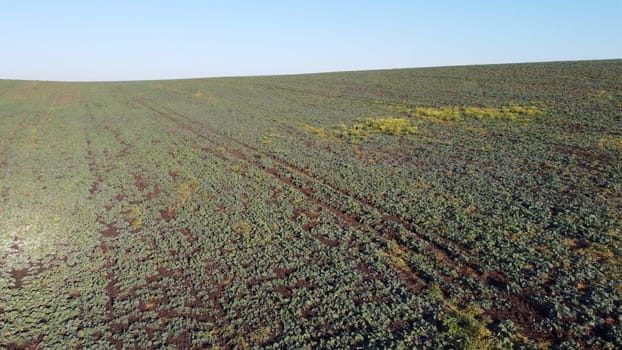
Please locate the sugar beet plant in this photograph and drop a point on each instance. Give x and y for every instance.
(470, 207)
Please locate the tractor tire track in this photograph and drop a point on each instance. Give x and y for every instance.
(110, 231)
(412, 278)
(527, 314)
(99, 164)
(441, 246)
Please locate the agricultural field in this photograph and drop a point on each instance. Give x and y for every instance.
(473, 207)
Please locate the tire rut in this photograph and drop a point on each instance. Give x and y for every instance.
(515, 301)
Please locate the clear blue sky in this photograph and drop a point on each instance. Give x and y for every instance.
(128, 40)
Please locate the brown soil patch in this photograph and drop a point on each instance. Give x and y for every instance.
(326, 241)
(67, 97)
(497, 280)
(95, 186)
(521, 311)
(155, 193)
(365, 270)
(303, 283)
(168, 214)
(181, 341)
(23, 92)
(282, 272)
(15, 246)
(284, 290)
(586, 155)
(110, 231)
(18, 275)
(140, 182)
(188, 234)
(30, 345)
(112, 291)
(5, 194)
(309, 225)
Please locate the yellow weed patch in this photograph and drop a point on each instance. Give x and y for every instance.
(610, 142)
(360, 131)
(443, 114)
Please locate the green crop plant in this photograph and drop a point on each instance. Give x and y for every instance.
(236, 212)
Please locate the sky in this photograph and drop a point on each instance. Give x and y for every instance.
(91, 40)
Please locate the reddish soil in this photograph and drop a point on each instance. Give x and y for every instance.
(307, 312)
(5, 194)
(309, 225)
(95, 186)
(188, 234)
(587, 156)
(524, 314)
(284, 290)
(365, 270)
(18, 275)
(497, 280)
(112, 291)
(181, 341)
(155, 193)
(168, 214)
(326, 241)
(303, 283)
(126, 146)
(283, 272)
(67, 97)
(140, 182)
(110, 231)
(30, 345)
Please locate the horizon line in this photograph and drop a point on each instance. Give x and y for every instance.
(233, 76)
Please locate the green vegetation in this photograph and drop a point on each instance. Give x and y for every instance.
(467, 207)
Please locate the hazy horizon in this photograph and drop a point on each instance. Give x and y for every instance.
(309, 73)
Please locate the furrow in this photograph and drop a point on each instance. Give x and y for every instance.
(525, 320)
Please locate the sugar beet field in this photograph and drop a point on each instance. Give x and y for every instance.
(464, 207)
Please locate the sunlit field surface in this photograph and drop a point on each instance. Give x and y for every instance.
(466, 207)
